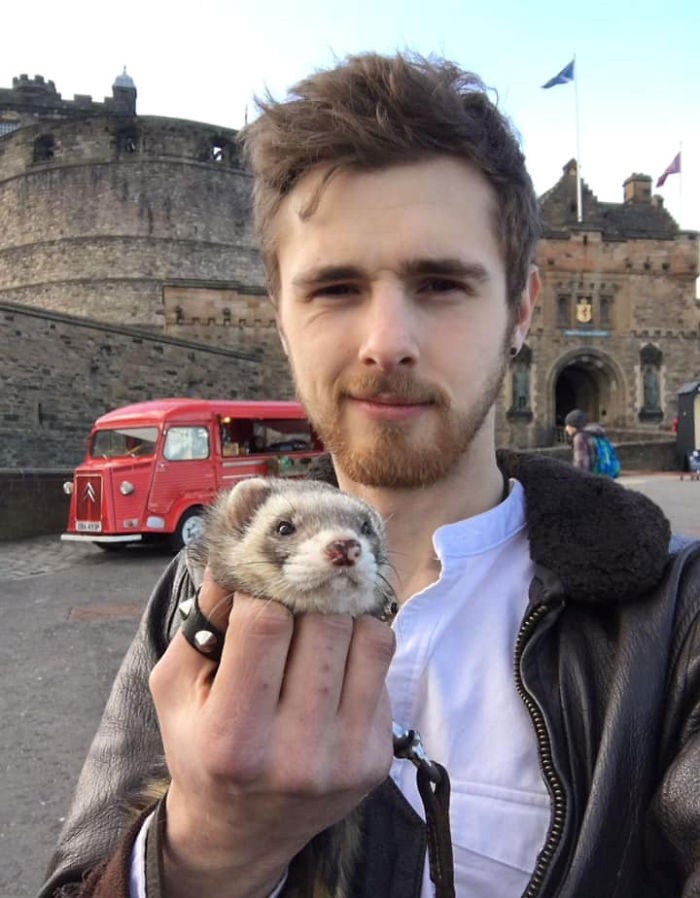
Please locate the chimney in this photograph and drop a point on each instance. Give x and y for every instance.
(637, 189)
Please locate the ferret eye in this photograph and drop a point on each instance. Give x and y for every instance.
(285, 528)
(366, 529)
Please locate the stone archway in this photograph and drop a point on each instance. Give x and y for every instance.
(589, 380)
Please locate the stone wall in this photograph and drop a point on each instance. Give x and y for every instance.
(99, 231)
(33, 502)
(641, 295)
(60, 373)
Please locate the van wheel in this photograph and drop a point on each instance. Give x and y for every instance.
(188, 530)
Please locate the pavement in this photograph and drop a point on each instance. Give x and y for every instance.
(679, 499)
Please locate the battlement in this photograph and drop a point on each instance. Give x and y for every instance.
(33, 99)
(37, 84)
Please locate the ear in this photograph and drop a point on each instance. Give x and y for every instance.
(244, 500)
(526, 307)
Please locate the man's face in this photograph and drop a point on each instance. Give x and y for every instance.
(392, 309)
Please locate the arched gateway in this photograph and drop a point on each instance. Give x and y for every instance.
(590, 380)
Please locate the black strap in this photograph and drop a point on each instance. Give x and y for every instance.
(199, 631)
(436, 801)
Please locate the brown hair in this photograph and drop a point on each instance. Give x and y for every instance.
(373, 111)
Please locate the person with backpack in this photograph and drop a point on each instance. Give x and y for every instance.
(593, 451)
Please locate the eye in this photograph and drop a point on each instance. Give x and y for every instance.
(366, 529)
(285, 528)
(335, 290)
(443, 286)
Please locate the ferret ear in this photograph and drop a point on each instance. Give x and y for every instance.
(245, 499)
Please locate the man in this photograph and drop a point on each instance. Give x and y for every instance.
(584, 451)
(553, 672)
(592, 451)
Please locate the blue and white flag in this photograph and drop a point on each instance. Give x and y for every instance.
(566, 75)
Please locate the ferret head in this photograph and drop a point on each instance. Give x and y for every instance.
(301, 543)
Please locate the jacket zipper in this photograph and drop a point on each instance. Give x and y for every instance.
(545, 752)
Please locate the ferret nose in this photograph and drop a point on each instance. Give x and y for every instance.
(343, 552)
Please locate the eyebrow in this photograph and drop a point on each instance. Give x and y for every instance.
(447, 267)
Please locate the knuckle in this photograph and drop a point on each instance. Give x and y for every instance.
(266, 619)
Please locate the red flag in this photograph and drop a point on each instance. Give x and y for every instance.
(672, 169)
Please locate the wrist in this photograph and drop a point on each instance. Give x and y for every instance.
(195, 860)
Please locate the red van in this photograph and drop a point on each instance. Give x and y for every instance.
(151, 467)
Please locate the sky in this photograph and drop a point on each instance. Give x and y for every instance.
(635, 102)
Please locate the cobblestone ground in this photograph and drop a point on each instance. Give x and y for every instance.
(42, 555)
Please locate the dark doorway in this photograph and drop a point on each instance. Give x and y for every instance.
(578, 386)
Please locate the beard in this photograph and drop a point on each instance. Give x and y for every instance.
(395, 454)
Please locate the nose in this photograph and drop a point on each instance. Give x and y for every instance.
(390, 329)
(343, 552)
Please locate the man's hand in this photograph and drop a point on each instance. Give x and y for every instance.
(279, 742)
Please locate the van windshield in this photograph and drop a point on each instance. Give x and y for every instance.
(124, 442)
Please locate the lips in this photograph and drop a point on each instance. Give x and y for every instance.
(385, 399)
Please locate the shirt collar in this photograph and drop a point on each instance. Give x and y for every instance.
(483, 531)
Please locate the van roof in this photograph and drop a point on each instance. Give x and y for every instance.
(159, 410)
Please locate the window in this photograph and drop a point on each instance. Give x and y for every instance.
(245, 436)
(44, 148)
(127, 140)
(186, 444)
(124, 442)
(563, 311)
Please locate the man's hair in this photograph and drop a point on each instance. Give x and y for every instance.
(371, 112)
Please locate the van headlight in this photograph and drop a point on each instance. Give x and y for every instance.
(68, 487)
(126, 488)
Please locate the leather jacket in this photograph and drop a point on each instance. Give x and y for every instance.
(607, 662)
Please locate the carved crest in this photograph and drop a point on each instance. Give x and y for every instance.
(584, 310)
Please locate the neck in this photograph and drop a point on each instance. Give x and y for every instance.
(411, 516)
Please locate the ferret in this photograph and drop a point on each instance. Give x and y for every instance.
(312, 548)
(299, 542)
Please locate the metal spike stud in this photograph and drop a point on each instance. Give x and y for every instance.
(206, 641)
(186, 607)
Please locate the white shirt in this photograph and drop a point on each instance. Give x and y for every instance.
(451, 678)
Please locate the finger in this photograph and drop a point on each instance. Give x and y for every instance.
(369, 656)
(250, 675)
(315, 669)
(182, 667)
(215, 601)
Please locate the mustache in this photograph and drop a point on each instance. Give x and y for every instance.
(397, 384)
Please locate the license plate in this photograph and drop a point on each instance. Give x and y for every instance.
(88, 526)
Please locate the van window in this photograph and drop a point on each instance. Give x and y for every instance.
(247, 436)
(186, 444)
(122, 442)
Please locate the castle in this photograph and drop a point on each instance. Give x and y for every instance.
(120, 231)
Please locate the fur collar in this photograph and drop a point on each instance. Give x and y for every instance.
(604, 542)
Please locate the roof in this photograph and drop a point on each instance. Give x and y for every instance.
(617, 221)
(124, 80)
(156, 411)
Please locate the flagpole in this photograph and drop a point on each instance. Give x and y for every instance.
(680, 185)
(579, 203)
